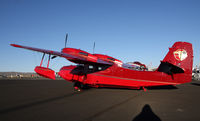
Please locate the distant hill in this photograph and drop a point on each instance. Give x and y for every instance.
(18, 74)
(21, 75)
(15, 73)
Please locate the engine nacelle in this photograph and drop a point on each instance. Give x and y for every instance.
(109, 59)
(45, 72)
(79, 53)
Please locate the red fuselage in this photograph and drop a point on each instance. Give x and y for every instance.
(115, 76)
(176, 68)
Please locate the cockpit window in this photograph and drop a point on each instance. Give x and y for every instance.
(100, 68)
(95, 68)
(112, 59)
(87, 69)
(91, 67)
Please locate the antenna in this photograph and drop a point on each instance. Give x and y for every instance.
(66, 39)
(93, 47)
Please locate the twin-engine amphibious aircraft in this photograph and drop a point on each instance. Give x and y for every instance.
(98, 70)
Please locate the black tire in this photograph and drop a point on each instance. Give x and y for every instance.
(80, 85)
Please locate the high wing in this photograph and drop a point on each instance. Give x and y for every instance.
(65, 55)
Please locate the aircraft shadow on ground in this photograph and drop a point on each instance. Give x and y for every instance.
(117, 88)
(168, 87)
(195, 84)
(146, 115)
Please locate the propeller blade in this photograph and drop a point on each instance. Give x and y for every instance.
(66, 40)
(93, 47)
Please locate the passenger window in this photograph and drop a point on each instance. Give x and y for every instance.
(99, 68)
(91, 67)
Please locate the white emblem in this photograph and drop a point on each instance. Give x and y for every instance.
(180, 54)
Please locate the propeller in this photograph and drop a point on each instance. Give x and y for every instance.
(66, 40)
(93, 47)
(65, 46)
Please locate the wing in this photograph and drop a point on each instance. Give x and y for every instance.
(65, 55)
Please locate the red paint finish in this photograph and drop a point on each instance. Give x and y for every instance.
(175, 68)
(187, 57)
(79, 53)
(129, 78)
(66, 73)
(122, 77)
(14, 45)
(45, 72)
(109, 59)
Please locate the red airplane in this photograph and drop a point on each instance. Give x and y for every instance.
(97, 70)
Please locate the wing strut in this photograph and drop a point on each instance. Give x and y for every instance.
(48, 61)
(45, 71)
(42, 60)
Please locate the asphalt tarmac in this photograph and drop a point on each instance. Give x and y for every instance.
(55, 100)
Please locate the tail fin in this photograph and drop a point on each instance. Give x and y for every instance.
(179, 59)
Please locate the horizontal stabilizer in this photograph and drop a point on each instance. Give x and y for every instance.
(169, 68)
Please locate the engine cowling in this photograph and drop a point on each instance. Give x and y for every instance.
(67, 73)
(79, 53)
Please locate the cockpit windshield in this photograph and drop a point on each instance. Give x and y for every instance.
(133, 66)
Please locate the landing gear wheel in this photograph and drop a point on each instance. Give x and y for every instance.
(196, 76)
(79, 86)
(76, 89)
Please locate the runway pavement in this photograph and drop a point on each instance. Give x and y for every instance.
(55, 100)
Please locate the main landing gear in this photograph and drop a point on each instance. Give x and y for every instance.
(79, 86)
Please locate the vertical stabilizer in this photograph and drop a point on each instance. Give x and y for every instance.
(179, 59)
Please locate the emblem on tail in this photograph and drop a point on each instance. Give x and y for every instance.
(180, 54)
